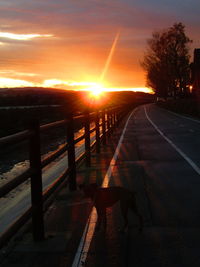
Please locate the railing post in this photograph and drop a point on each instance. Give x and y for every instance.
(87, 138)
(104, 126)
(118, 115)
(36, 182)
(97, 132)
(111, 121)
(108, 121)
(112, 118)
(115, 117)
(71, 153)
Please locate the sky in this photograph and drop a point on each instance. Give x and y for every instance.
(68, 43)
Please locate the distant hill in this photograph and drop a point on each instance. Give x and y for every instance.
(34, 96)
(49, 96)
(44, 99)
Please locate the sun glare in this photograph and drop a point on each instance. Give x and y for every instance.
(96, 90)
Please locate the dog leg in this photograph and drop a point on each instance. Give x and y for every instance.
(104, 219)
(101, 213)
(135, 210)
(124, 210)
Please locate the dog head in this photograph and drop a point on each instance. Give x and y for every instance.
(89, 190)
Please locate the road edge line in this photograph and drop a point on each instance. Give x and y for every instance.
(180, 115)
(83, 248)
(191, 163)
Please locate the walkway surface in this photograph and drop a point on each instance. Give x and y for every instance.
(157, 156)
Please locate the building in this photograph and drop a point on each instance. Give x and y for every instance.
(195, 66)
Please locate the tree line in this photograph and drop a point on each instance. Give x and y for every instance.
(167, 62)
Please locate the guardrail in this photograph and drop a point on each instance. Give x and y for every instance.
(105, 120)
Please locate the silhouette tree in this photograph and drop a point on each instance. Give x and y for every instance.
(166, 61)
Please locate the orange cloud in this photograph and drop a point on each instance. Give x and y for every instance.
(70, 40)
(8, 82)
(23, 37)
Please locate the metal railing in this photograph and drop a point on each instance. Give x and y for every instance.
(105, 120)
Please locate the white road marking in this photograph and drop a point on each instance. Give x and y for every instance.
(192, 164)
(87, 236)
(182, 116)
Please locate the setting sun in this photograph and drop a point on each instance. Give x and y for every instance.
(96, 90)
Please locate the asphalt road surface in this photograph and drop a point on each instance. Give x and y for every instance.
(169, 147)
(159, 158)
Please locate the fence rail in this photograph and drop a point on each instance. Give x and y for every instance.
(104, 120)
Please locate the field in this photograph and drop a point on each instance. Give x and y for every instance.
(20, 106)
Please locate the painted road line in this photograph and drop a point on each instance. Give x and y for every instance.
(86, 239)
(192, 164)
(182, 116)
(113, 160)
(81, 254)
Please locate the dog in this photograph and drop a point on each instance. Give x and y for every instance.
(107, 197)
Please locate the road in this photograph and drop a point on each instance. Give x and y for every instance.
(159, 159)
(169, 148)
